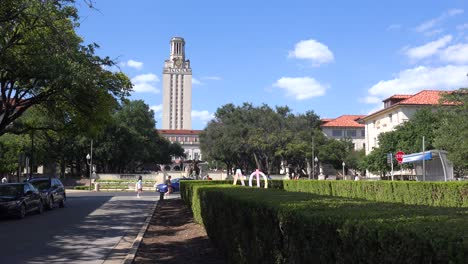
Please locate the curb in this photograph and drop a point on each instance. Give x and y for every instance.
(136, 243)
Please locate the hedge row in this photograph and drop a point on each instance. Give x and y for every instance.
(186, 188)
(272, 226)
(447, 194)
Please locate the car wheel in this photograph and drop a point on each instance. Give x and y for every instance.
(62, 203)
(22, 212)
(50, 203)
(40, 208)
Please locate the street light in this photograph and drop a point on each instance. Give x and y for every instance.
(313, 167)
(313, 154)
(90, 164)
(344, 164)
(89, 160)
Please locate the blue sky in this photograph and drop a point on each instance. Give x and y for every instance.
(332, 57)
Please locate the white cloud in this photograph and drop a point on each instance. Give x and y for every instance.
(145, 83)
(196, 81)
(214, 78)
(312, 50)
(371, 100)
(157, 108)
(428, 26)
(301, 88)
(204, 115)
(411, 81)
(455, 54)
(454, 12)
(134, 64)
(429, 49)
(393, 27)
(462, 27)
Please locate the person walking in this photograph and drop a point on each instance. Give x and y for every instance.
(139, 186)
(169, 185)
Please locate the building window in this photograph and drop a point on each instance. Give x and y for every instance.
(363, 133)
(351, 133)
(390, 118)
(373, 124)
(337, 133)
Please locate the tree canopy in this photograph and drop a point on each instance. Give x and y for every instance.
(43, 61)
(266, 138)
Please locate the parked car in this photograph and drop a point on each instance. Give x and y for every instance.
(175, 183)
(18, 199)
(51, 190)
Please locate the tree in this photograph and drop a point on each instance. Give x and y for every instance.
(43, 61)
(406, 137)
(131, 141)
(260, 137)
(452, 134)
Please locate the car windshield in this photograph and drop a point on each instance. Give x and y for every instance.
(41, 185)
(11, 190)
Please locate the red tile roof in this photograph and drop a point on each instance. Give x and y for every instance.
(399, 96)
(424, 97)
(344, 121)
(179, 132)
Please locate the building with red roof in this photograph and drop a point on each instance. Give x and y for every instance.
(345, 126)
(188, 139)
(397, 109)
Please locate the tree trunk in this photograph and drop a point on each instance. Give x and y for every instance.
(257, 162)
(309, 169)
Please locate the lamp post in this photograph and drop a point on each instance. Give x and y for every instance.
(313, 168)
(344, 164)
(313, 154)
(89, 160)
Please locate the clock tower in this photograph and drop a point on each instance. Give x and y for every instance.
(177, 88)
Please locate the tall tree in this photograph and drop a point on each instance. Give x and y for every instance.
(130, 141)
(43, 61)
(452, 135)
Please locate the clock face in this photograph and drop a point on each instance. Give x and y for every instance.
(178, 62)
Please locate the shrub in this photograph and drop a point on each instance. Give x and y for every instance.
(447, 194)
(272, 226)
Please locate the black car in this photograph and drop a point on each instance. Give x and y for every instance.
(18, 199)
(52, 191)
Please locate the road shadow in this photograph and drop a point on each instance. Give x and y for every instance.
(85, 231)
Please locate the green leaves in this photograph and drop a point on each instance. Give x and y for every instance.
(444, 127)
(266, 138)
(43, 61)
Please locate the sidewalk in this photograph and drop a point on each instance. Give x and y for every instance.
(172, 237)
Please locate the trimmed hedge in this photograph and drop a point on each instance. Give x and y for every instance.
(447, 194)
(271, 226)
(81, 188)
(186, 188)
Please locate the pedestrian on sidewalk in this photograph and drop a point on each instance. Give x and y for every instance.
(169, 185)
(139, 186)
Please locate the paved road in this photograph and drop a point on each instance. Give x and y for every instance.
(91, 228)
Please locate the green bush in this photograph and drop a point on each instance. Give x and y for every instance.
(81, 188)
(447, 194)
(186, 188)
(271, 226)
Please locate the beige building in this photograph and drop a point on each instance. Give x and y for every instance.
(397, 109)
(177, 88)
(345, 127)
